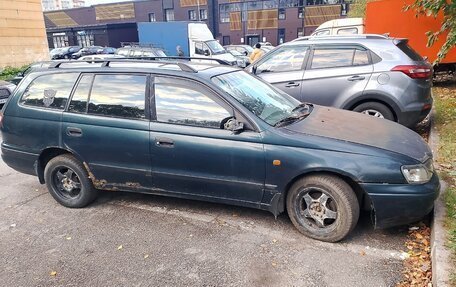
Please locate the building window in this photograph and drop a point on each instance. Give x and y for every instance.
(282, 14)
(203, 14)
(169, 15)
(300, 32)
(191, 14)
(300, 12)
(152, 17)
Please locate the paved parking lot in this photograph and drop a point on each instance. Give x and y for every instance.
(174, 242)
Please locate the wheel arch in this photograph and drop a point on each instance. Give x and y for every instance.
(46, 155)
(381, 99)
(363, 198)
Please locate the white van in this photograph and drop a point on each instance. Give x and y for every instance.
(346, 26)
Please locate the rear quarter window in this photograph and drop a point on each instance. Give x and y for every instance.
(412, 54)
(49, 91)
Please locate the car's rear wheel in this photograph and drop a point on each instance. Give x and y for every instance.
(68, 182)
(323, 207)
(375, 109)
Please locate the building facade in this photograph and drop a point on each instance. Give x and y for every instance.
(231, 21)
(22, 33)
(50, 5)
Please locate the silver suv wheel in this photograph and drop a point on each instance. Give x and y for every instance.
(373, 113)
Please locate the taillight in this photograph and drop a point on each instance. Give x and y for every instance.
(1, 119)
(414, 71)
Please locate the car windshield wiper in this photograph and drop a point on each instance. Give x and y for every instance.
(291, 119)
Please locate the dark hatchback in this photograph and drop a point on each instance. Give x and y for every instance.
(213, 133)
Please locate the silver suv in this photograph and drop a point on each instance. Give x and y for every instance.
(372, 74)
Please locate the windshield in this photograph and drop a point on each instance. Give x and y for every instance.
(235, 53)
(263, 100)
(215, 47)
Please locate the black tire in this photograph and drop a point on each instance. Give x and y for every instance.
(68, 182)
(385, 112)
(341, 200)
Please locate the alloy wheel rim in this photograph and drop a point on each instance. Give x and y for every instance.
(66, 182)
(373, 113)
(316, 208)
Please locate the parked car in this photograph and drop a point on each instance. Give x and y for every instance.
(140, 52)
(107, 50)
(213, 133)
(371, 74)
(246, 50)
(6, 89)
(87, 51)
(31, 68)
(64, 53)
(242, 61)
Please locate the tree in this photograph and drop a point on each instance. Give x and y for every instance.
(432, 8)
(358, 9)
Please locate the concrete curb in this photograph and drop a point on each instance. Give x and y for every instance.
(440, 255)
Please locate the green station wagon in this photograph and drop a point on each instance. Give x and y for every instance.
(213, 133)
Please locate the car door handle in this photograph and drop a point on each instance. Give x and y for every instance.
(164, 142)
(74, 132)
(356, 78)
(291, 85)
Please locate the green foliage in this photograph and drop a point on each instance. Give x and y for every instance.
(358, 9)
(10, 72)
(432, 8)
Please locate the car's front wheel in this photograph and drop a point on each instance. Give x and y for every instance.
(323, 207)
(375, 109)
(68, 182)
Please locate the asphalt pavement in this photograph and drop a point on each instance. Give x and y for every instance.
(126, 239)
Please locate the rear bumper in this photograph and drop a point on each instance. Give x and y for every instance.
(415, 114)
(21, 161)
(398, 204)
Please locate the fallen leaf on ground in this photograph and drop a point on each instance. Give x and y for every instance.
(146, 256)
(53, 273)
(120, 247)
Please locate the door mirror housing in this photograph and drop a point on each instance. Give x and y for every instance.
(234, 125)
(206, 53)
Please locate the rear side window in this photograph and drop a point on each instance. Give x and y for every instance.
(118, 96)
(78, 102)
(347, 31)
(412, 54)
(49, 91)
(339, 57)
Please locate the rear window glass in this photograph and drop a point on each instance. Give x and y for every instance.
(50, 91)
(118, 96)
(412, 54)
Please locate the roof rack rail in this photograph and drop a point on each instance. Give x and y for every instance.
(352, 36)
(219, 61)
(106, 63)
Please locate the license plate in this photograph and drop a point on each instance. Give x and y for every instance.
(2, 101)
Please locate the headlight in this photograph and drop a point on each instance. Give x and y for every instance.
(420, 173)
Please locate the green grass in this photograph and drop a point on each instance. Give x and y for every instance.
(445, 122)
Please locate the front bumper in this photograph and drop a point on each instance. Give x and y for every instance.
(398, 204)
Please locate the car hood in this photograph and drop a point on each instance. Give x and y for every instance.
(363, 129)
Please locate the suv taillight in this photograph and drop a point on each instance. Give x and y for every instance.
(414, 71)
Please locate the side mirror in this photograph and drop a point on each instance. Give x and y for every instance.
(254, 69)
(246, 53)
(234, 126)
(206, 53)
